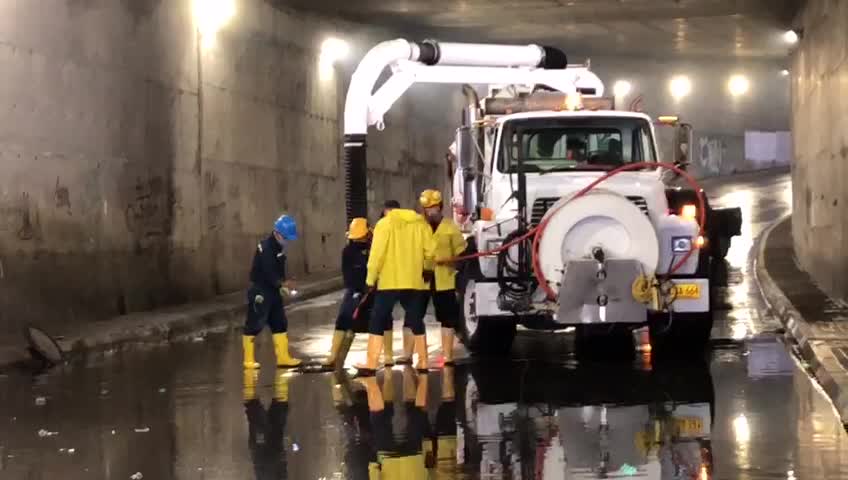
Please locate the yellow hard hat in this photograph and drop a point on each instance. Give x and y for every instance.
(430, 198)
(358, 229)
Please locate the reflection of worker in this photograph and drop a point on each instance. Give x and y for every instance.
(448, 243)
(266, 428)
(354, 271)
(352, 405)
(441, 447)
(401, 247)
(399, 453)
(264, 300)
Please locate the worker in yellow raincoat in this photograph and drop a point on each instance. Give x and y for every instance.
(448, 243)
(401, 252)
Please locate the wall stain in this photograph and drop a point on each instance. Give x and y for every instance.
(149, 214)
(215, 216)
(63, 196)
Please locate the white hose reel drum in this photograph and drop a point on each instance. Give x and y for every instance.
(598, 219)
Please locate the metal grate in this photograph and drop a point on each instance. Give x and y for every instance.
(542, 205)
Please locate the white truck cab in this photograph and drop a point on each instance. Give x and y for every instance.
(598, 249)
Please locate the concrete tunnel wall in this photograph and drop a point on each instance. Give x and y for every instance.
(820, 133)
(127, 184)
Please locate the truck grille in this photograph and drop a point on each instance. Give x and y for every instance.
(542, 205)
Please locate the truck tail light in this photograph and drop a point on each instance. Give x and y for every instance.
(486, 214)
(689, 211)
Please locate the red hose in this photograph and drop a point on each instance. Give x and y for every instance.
(539, 230)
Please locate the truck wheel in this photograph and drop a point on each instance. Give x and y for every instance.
(483, 336)
(719, 247)
(681, 334)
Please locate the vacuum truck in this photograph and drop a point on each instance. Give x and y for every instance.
(570, 218)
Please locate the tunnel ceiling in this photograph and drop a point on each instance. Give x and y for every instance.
(687, 28)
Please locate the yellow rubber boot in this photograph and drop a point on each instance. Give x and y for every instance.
(347, 341)
(421, 351)
(408, 346)
(281, 348)
(375, 396)
(447, 345)
(388, 349)
(281, 387)
(251, 376)
(448, 389)
(338, 338)
(421, 390)
(375, 346)
(248, 343)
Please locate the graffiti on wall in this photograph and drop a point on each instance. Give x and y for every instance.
(710, 155)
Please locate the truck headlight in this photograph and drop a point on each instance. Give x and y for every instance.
(681, 244)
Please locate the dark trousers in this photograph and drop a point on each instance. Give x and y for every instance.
(345, 320)
(414, 303)
(266, 431)
(265, 307)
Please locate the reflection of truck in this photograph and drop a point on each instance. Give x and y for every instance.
(555, 252)
(607, 423)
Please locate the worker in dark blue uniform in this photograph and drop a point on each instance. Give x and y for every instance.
(264, 297)
(354, 271)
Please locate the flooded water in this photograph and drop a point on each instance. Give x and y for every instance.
(190, 412)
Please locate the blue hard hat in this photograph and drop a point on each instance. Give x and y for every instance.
(287, 227)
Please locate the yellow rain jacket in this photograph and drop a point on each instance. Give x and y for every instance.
(449, 243)
(402, 248)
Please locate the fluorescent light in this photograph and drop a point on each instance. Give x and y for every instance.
(334, 49)
(790, 37)
(621, 88)
(680, 86)
(738, 85)
(210, 16)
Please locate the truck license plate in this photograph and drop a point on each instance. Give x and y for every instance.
(688, 290)
(689, 425)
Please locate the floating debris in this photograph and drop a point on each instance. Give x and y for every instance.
(163, 390)
(142, 430)
(72, 451)
(136, 476)
(295, 447)
(197, 339)
(46, 433)
(40, 401)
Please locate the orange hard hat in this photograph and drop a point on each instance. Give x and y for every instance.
(358, 229)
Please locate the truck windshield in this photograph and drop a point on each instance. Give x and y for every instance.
(575, 143)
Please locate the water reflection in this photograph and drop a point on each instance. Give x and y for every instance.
(266, 427)
(596, 422)
(528, 421)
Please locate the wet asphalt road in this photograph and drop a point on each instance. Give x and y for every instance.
(188, 411)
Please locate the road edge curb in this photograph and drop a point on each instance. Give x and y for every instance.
(797, 327)
(180, 326)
